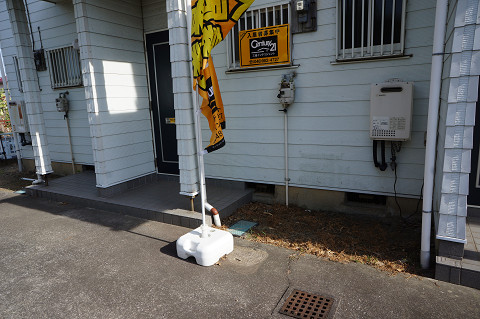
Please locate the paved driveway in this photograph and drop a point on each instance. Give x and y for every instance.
(62, 261)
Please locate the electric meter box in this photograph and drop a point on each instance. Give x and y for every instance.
(18, 117)
(391, 106)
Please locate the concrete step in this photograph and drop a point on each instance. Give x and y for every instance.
(158, 200)
(465, 272)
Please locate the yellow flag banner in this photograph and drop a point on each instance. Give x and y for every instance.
(212, 107)
(211, 22)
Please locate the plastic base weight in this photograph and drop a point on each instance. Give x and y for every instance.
(207, 250)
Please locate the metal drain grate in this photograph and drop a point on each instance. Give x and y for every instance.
(302, 304)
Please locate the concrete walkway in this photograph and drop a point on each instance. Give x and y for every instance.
(62, 261)
(158, 200)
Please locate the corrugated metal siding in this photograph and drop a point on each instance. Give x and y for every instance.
(329, 145)
(112, 52)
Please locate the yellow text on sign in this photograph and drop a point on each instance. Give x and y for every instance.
(265, 46)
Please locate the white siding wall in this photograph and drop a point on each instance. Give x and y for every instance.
(57, 25)
(329, 145)
(444, 104)
(183, 104)
(154, 15)
(58, 29)
(112, 53)
(9, 50)
(31, 86)
(458, 120)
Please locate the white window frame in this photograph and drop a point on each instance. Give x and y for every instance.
(256, 12)
(369, 51)
(64, 67)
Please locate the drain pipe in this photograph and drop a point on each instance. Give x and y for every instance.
(285, 137)
(432, 126)
(215, 214)
(70, 141)
(39, 180)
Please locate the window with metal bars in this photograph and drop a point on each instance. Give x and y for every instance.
(65, 68)
(255, 18)
(370, 28)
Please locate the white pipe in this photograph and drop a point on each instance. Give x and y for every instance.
(433, 110)
(9, 98)
(39, 180)
(17, 151)
(70, 143)
(285, 137)
(215, 214)
(198, 130)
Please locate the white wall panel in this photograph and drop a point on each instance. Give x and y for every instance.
(329, 145)
(154, 15)
(112, 53)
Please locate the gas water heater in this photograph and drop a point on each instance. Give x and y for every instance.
(391, 105)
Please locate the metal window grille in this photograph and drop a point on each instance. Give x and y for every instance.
(370, 28)
(255, 18)
(17, 72)
(64, 66)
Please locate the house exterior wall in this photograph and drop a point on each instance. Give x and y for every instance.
(183, 103)
(452, 7)
(9, 50)
(154, 15)
(112, 52)
(329, 145)
(57, 26)
(459, 116)
(31, 87)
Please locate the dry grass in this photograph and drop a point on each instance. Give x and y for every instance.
(387, 244)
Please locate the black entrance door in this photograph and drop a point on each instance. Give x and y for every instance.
(474, 192)
(161, 94)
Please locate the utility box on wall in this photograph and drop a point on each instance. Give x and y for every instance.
(304, 16)
(18, 117)
(391, 106)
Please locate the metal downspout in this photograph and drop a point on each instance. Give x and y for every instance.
(432, 127)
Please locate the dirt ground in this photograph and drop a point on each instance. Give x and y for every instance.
(10, 176)
(389, 244)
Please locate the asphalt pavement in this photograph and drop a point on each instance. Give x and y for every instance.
(58, 260)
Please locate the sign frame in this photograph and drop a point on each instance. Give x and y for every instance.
(267, 40)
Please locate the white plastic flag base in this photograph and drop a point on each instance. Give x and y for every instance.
(207, 249)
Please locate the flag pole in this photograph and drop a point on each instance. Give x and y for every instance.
(198, 129)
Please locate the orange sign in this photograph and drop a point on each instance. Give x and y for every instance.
(265, 46)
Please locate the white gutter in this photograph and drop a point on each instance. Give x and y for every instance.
(285, 141)
(432, 127)
(69, 135)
